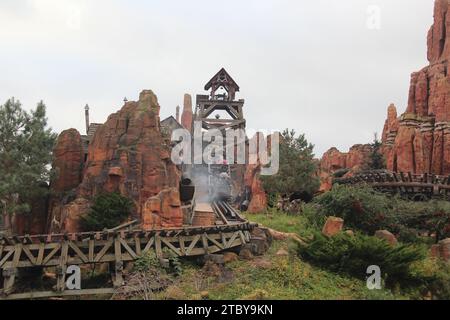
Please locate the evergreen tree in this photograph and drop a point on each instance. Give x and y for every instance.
(108, 211)
(376, 158)
(26, 145)
(297, 171)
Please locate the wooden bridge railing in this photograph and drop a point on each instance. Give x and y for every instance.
(116, 247)
(416, 186)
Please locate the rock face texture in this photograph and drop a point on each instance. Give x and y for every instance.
(333, 161)
(187, 115)
(419, 140)
(127, 155)
(68, 161)
(252, 181)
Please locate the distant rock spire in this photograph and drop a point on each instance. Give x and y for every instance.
(187, 116)
(438, 43)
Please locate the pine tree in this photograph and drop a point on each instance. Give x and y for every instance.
(26, 145)
(376, 159)
(297, 171)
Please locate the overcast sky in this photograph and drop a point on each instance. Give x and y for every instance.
(325, 68)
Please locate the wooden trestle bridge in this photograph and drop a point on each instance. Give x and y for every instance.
(116, 247)
(418, 187)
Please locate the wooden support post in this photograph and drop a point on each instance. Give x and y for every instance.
(158, 248)
(205, 243)
(62, 268)
(9, 274)
(118, 267)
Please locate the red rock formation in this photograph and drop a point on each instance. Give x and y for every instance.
(333, 160)
(163, 210)
(420, 141)
(187, 115)
(252, 181)
(127, 155)
(68, 159)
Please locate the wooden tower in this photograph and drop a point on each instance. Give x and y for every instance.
(207, 105)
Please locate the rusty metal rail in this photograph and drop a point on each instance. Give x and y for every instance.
(414, 186)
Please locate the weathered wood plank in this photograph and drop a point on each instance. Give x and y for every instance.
(103, 251)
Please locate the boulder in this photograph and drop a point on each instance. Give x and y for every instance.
(386, 235)
(445, 249)
(350, 233)
(229, 257)
(246, 252)
(332, 226)
(163, 210)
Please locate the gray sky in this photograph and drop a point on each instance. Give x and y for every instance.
(315, 66)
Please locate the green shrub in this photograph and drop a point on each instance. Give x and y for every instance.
(352, 255)
(175, 266)
(432, 275)
(315, 219)
(432, 216)
(108, 211)
(361, 207)
(147, 262)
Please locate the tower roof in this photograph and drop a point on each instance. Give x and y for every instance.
(222, 78)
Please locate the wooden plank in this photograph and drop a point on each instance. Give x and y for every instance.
(40, 256)
(91, 249)
(224, 240)
(205, 243)
(127, 247)
(193, 243)
(9, 279)
(6, 257)
(61, 276)
(118, 268)
(67, 293)
(29, 255)
(233, 237)
(51, 254)
(182, 246)
(241, 235)
(215, 242)
(149, 245)
(171, 246)
(79, 252)
(102, 252)
(137, 245)
(158, 246)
